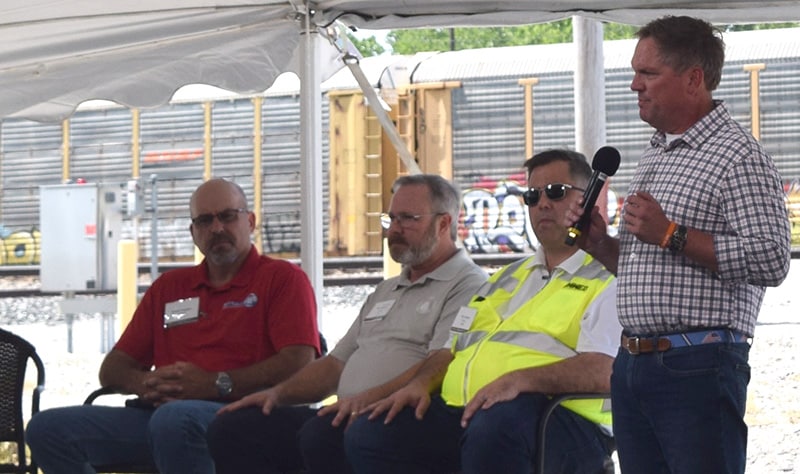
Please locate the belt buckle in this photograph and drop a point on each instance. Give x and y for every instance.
(636, 349)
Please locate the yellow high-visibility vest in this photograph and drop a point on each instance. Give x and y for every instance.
(542, 331)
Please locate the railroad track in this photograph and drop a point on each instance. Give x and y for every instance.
(338, 271)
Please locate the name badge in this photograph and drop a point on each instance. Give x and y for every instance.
(464, 319)
(182, 311)
(380, 310)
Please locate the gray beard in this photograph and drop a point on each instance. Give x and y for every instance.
(222, 258)
(415, 255)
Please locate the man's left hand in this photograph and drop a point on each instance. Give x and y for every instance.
(500, 390)
(345, 409)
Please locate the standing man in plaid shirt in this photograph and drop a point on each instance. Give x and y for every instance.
(705, 230)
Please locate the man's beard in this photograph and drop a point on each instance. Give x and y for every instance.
(415, 255)
(222, 255)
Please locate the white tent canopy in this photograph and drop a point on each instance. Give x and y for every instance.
(423, 13)
(55, 54)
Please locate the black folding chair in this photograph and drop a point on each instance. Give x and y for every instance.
(555, 402)
(14, 355)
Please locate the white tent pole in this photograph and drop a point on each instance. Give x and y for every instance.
(590, 94)
(311, 161)
(590, 99)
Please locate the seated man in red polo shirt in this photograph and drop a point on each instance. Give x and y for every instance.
(200, 337)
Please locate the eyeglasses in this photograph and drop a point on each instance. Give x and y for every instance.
(553, 191)
(403, 219)
(225, 217)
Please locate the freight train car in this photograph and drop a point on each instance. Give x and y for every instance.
(472, 116)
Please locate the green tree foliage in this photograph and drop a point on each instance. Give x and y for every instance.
(618, 31)
(368, 46)
(447, 39)
(759, 26)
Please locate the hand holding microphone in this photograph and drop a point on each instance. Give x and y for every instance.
(605, 163)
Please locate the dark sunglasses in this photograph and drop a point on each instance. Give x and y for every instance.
(553, 191)
(226, 217)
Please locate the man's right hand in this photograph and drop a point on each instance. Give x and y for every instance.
(595, 239)
(412, 395)
(596, 231)
(266, 399)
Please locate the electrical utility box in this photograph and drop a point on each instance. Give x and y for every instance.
(80, 225)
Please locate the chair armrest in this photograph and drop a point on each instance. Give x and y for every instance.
(554, 403)
(98, 393)
(133, 402)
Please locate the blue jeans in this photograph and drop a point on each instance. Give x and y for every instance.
(682, 411)
(172, 437)
(290, 438)
(500, 439)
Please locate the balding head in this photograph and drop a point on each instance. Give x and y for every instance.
(218, 188)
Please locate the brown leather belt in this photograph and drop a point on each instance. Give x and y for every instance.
(644, 345)
(647, 344)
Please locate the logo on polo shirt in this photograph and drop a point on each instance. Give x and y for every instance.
(425, 306)
(248, 302)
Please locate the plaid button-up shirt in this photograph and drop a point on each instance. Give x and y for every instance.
(715, 178)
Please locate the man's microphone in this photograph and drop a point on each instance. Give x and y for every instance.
(605, 163)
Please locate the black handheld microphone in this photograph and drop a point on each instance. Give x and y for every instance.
(605, 163)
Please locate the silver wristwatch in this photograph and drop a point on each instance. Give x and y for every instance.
(224, 384)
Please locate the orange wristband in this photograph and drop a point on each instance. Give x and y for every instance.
(668, 235)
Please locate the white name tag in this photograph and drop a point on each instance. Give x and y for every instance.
(182, 311)
(464, 319)
(380, 310)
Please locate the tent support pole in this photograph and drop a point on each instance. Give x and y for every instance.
(311, 217)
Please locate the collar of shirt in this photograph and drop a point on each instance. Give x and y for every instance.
(697, 133)
(242, 278)
(570, 266)
(538, 278)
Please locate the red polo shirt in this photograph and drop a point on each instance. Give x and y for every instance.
(268, 305)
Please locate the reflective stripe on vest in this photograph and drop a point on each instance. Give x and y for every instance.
(469, 338)
(530, 340)
(535, 341)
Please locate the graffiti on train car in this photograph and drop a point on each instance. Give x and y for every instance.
(282, 232)
(19, 247)
(495, 219)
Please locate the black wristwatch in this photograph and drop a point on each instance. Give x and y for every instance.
(678, 239)
(224, 384)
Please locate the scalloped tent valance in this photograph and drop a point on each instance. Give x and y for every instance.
(57, 54)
